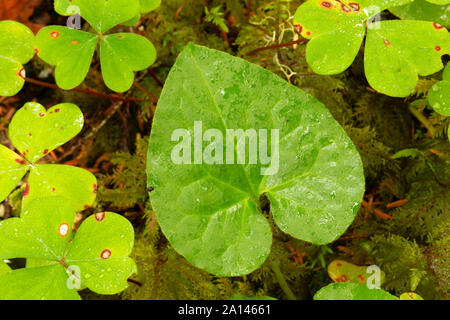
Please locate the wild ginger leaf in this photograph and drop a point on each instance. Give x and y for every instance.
(16, 49)
(351, 291)
(209, 212)
(439, 94)
(35, 131)
(99, 251)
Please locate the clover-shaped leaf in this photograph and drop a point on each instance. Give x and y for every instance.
(439, 94)
(102, 15)
(71, 51)
(343, 271)
(35, 132)
(97, 255)
(351, 291)
(16, 49)
(210, 210)
(423, 10)
(397, 52)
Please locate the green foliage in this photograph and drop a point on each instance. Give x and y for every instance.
(351, 291)
(16, 49)
(214, 221)
(392, 61)
(216, 16)
(423, 10)
(71, 51)
(96, 256)
(439, 95)
(4, 268)
(35, 132)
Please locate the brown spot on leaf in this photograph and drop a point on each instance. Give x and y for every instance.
(345, 8)
(63, 229)
(21, 73)
(37, 50)
(438, 48)
(387, 43)
(75, 42)
(326, 5)
(437, 26)
(100, 216)
(299, 28)
(54, 34)
(45, 151)
(27, 190)
(21, 161)
(106, 254)
(355, 6)
(361, 278)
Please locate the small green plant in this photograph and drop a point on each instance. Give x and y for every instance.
(343, 271)
(35, 132)
(96, 256)
(439, 94)
(351, 291)
(215, 16)
(16, 49)
(393, 61)
(71, 50)
(423, 10)
(212, 211)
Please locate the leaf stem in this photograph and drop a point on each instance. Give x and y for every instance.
(420, 116)
(281, 280)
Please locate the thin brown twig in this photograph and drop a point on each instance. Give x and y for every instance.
(92, 92)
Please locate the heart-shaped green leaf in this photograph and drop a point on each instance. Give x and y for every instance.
(16, 49)
(149, 5)
(440, 2)
(35, 131)
(351, 291)
(12, 169)
(44, 232)
(439, 94)
(122, 54)
(79, 186)
(343, 271)
(209, 212)
(398, 51)
(423, 10)
(101, 249)
(102, 15)
(336, 30)
(70, 50)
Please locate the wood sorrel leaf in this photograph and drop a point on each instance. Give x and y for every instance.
(423, 10)
(343, 271)
(120, 55)
(149, 5)
(12, 169)
(398, 51)
(102, 15)
(16, 49)
(439, 94)
(43, 283)
(336, 30)
(78, 185)
(4, 268)
(70, 50)
(35, 131)
(351, 291)
(44, 232)
(209, 210)
(101, 250)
